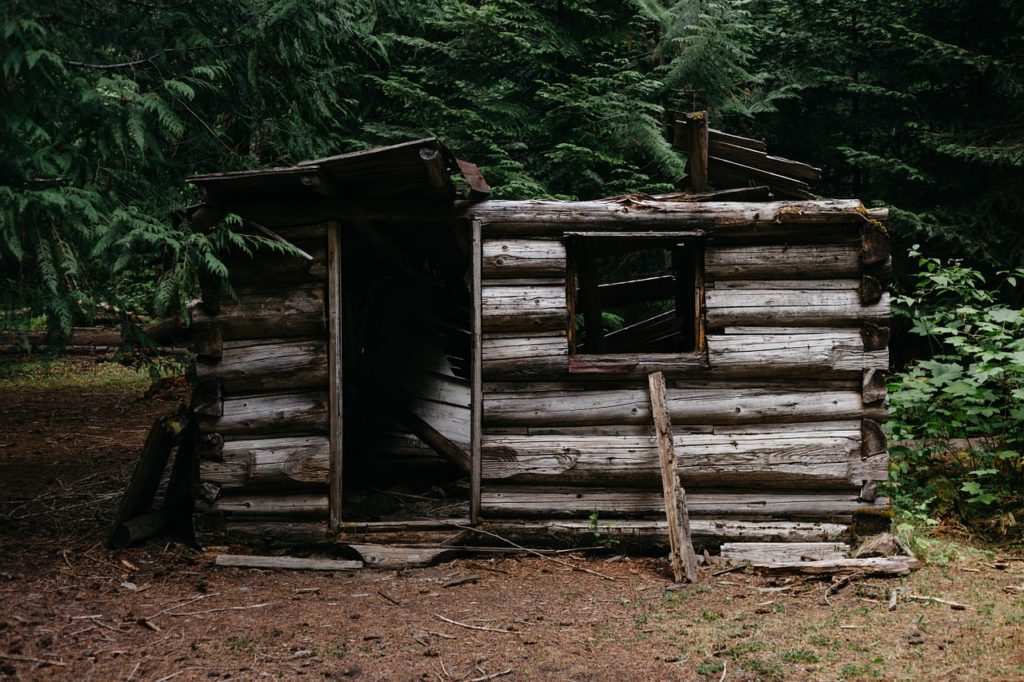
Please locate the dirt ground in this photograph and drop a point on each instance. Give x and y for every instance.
(72, 609)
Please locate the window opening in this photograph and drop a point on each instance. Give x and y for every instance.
(635, 295)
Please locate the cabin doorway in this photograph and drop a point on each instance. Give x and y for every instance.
(406, 372)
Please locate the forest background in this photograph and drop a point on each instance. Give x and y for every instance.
(107, 106)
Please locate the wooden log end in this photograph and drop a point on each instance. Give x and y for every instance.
(875, 243)
(874, 337)
(874, 388)
(873, 440)
(870, 290)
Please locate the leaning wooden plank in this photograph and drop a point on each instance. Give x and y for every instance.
(804, 261)
(595, 405)
(509, 258)
(684, 563)
(784, 552)
(291, 563)
(534, 501)
(758, 304)
(271, 413)
(647, 289)
(749, 143)
(257, 314)
(281, 463)
(149, 469)
(268, 365)
(793, 457)
(882, 566)
(731, 174)
(304, 505)
(792, 354)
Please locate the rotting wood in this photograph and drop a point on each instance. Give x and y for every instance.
(737, 355)
(269, 365)
(876, 245)
(870, 290)
(304, 412)
(290, 563)
(149, 469)
(876, 566)
(873, 441)
(299, 311)
(875, 337)
(270, 462)
(784, 552)
(400, 556)
(208, 342)
(306, 504)
(874, 385)
(207, 397)
(476, 401)
(139, 529)
(564, 501)
(697, 125)
(684, 562)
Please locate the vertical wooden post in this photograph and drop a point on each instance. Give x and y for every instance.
(698, 127)
(686, 313)
(334, 332)
(476, 403)
(590, 299)
(684, 562)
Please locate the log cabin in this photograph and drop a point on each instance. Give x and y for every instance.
(425, 360)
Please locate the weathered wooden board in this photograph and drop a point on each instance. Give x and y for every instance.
(524, 308)
(805, 261)
(279, 463)
(781, 552)
(293, 312)
(788, 456)
(569, 404)
(271, 413)
(291, 563)
(759, 159)
(301, 505)
(778, 355)
(757, 304)
(268, 365)
(508, 258)
(536, 501)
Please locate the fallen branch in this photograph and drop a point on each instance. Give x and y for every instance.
(472, 627)
(956, 606)
(492, 676)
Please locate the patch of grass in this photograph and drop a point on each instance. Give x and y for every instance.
(744, 648)
(766, 670)
(710, 616)
(710, 666)
(239, 643)
(859, 671)
(800, 656)
(820, 640)
(62, 374)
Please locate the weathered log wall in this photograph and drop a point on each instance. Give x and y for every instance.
(769, 420)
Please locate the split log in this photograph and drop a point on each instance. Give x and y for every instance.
(806, 261)
(280, 463)
(684, 562)
(308, 505)
(784, 552)
(271, 413)
(872, 438)
(533, 501)
(565, 404)
(787, 455)
(299, 311)
(526, 308)
(138, 530)
(290, 563)
(874, 386)
(779, 355)
(268, 365)
(523, 258)
(761, 304)
(870, 290)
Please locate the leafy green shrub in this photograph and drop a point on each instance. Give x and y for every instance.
(958, 417)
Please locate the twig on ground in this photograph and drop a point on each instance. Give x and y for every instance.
(840, 584)
(462, 581)
(956, 606)
(224, 608)
(472, 627)
(501, 673)
(731, 569)
(188, 600)
(30, 659)
(725, 669)
(534, 552)
(389, 598)
(132, 673)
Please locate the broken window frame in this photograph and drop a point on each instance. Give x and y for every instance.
(688, 258)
